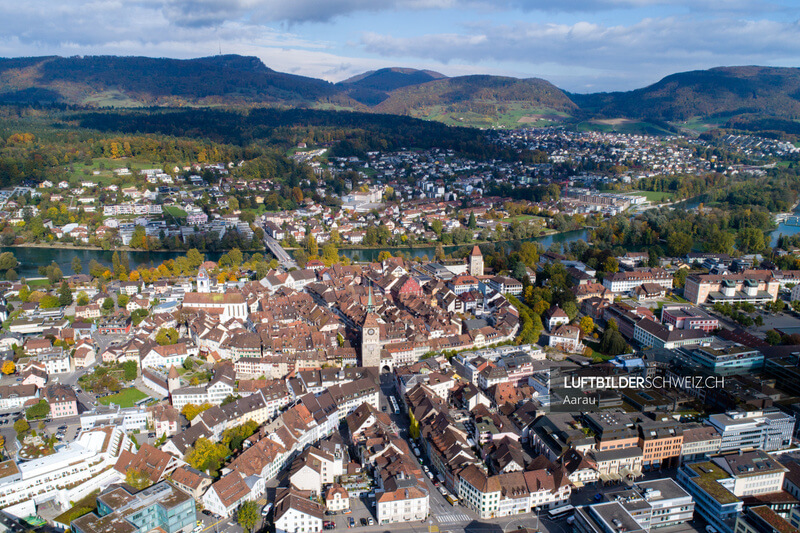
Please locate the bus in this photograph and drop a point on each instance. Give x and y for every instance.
(560, 512)
(452, 500)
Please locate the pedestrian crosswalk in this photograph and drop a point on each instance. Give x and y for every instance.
(450, 518)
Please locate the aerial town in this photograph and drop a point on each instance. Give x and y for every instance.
(285, 387)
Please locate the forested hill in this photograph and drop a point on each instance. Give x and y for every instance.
(373, 87)
(475, 92)
(704, 93)
(132, 81)
(754, 98)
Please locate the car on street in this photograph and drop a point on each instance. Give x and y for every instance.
(711, 529)
(351, 522)
(370, 521)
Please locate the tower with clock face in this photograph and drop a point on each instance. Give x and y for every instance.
(371, 341)
(371, 337)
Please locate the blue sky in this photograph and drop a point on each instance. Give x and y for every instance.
(580, 45)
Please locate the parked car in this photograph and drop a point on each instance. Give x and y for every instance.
(370, 521)
(351, 522)
(363, 521)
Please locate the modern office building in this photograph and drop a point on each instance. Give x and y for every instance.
(768, 430)
(160, 507)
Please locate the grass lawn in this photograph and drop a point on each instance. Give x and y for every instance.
(83, 506)
(655, 196)
(42, 282)
(175, 211)
(124, 398)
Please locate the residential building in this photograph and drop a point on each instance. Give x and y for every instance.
(62, 399)
(78, 468)
(624, 282)
(296, 513)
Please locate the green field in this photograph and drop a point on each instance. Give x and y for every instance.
(655, 196)
(124, 398)
(510, 115)
(175, 211)
(701, 124)
(105, 166)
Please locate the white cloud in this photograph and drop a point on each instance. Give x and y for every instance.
(642, 51)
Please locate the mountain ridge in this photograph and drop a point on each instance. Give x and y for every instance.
(741, 95)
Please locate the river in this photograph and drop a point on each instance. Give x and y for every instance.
(784, 229)
(31, 258)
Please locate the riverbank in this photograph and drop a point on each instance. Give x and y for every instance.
(70, 246)
(429, 245)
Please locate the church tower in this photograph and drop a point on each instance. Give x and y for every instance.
(173, 379)
(476, 262)
(202, 281)
(371, 337)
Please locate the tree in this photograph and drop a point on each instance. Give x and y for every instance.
(529, 254)
(77, 265)
(108, 304)
(679, 279)
(21, 426)
(8, 261)
(311, 245)
(571, 309)
(130, 370)
(230, 398)
(613, 343)
(191, 410)
(750, 240)
(49, 302)
(679, 244)
(138, 315)
(167, 336)
(773, 338)
(137, 479)
(472, 223)
(206, 455)
(38, 410)
(9, 367)
(234, 437)
(587, 325)
(83, 299)
(247, 516)
(123, 300)
(64, 294)
(235, 256)
(611, 265)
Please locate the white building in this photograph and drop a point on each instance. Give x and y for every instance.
(296, 514)
(69, 474)
(766, 430)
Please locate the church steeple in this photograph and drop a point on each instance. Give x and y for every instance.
(370, 307)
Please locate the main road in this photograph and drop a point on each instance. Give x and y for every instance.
(283, 257)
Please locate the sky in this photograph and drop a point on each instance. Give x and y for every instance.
(579, 45)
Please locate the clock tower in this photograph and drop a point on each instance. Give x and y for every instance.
(371, 337)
